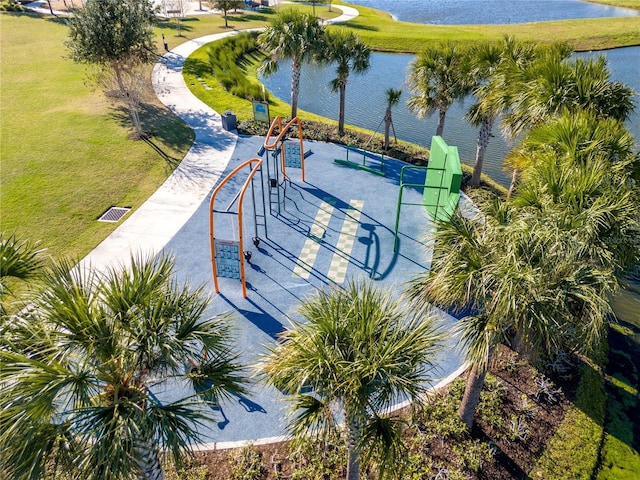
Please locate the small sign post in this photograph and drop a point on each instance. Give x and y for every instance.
(261, 111)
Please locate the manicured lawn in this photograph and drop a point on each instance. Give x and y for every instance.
(635, 4)
(195, 27)
(65, 153)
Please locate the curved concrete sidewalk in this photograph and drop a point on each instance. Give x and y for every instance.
(149, 228)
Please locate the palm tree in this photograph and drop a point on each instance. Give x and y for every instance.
(581, 174)
(79, 372)
(360, 353)
(21, 260)
(517, 278)
(579, 138)
(351, 55)
(553, 84)
(291, 35)
(393, 97)
(491, 89)
(438, 77)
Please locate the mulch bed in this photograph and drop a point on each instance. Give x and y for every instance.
(514, 457)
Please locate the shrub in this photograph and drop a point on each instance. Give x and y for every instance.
(226, 59)
(190, 471)
(491, 399)
(316, 459)
(474, 454)
(246, 464)
(517, 428)
(547, 392)
(11, 6)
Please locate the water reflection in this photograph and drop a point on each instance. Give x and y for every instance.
(456, 12)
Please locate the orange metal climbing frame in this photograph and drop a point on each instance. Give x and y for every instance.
(255, 164)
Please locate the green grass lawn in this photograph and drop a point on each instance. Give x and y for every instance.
(198, 26)
(635, 4)
(65, 153)
(380, 31)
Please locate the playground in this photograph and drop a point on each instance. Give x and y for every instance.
(265, 239)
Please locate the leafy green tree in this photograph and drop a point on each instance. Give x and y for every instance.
(359, 353)
(79, 369)
(516, 278)
(351, 54)
(438, 77)
(116, 36)
(393, 97)
(225, 6)
(291, 35)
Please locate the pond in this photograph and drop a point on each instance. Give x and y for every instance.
(456, 12)
(366, 103)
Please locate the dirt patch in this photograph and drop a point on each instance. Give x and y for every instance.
(533, 407)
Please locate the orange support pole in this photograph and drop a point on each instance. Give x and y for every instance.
(254, 169)
(279, 140)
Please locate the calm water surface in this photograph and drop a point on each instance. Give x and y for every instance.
(492, 11)
(366, 103)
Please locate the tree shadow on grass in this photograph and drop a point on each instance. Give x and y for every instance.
(196, 67)
(359, 26)
(254, 16)
(185, 26)
(164, 128)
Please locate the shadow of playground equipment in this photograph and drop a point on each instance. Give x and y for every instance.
(205, 390)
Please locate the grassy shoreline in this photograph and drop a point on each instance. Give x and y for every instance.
(632, 4)
(383, 33)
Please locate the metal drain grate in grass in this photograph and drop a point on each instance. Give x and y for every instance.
(113, 214)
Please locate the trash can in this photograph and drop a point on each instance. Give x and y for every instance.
(229, 121)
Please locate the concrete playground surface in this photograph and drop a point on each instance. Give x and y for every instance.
(335, 226)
